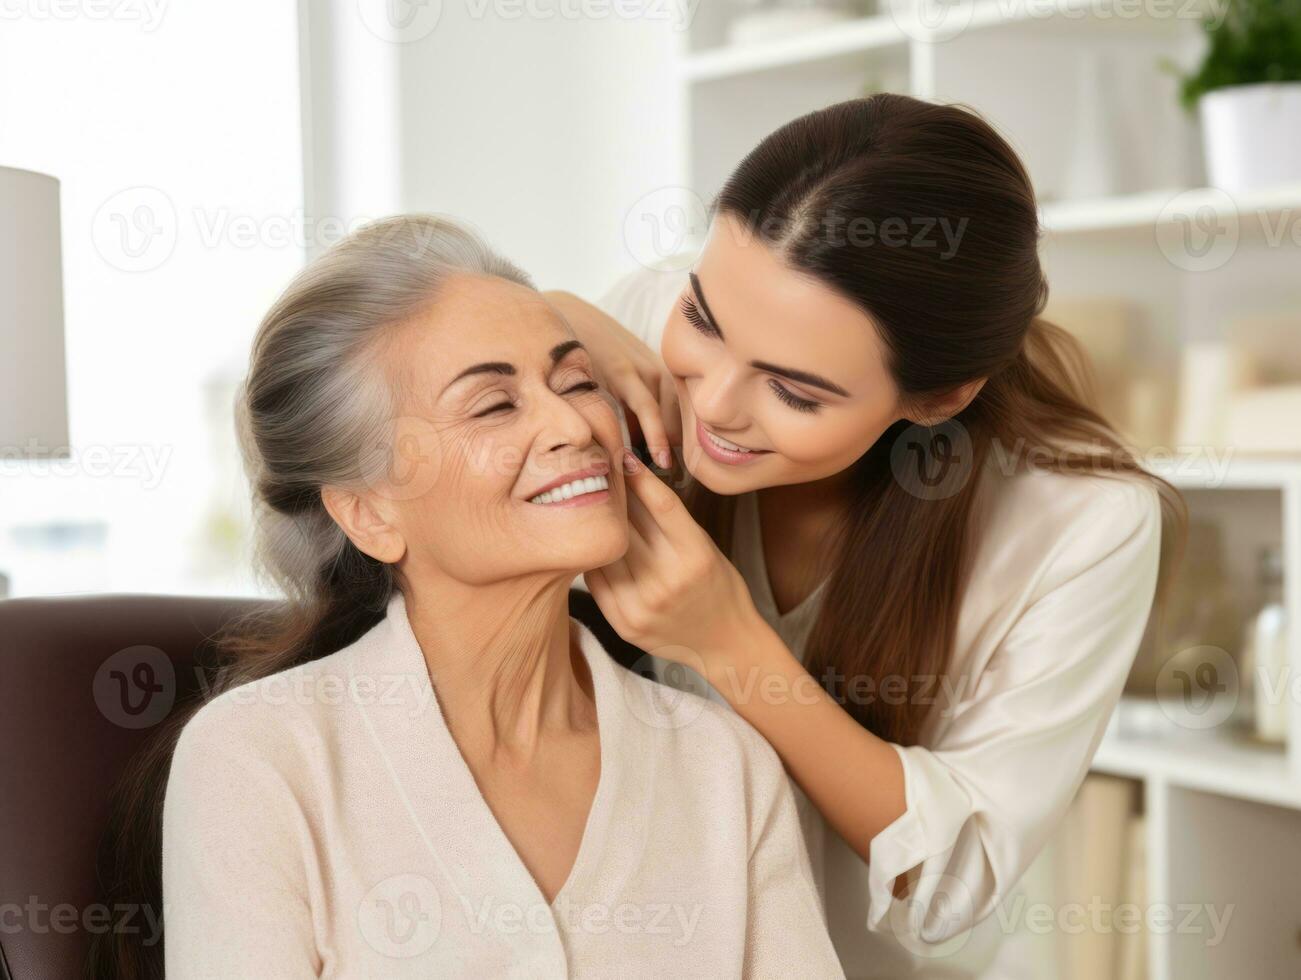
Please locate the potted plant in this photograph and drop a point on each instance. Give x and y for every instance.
(1248, 94)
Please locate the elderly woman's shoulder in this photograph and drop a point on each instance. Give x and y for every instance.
(691, 723)
(267, 717)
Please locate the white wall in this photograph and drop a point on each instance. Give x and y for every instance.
(541, 131)
(174, 128)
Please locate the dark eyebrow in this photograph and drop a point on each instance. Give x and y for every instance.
(561, 349)
(488, 367)
(804, 377)
(795, 374)
(503, 367)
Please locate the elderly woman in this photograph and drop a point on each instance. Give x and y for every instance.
(427, 767)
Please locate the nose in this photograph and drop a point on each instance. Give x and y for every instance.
(716, 397)
(562, 424)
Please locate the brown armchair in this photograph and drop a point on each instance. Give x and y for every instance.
(84, 682)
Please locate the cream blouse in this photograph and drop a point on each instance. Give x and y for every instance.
(321, 822)
(1062, 581)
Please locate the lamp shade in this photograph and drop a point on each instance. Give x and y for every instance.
(33, 385)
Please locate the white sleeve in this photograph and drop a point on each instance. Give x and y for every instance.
(786, 929)
(641, 301)
(984, 799)
(234, 878)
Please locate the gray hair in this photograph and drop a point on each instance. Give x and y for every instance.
(314, 405)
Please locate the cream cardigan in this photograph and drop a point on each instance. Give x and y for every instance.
(321, 822)
(1061, 584)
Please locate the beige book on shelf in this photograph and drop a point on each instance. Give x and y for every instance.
(1131, 959)
(1093, 874)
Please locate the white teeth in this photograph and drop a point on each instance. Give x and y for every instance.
(575, 488)
(723, 443)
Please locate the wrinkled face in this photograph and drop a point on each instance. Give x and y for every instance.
(499, 404)
(776, 363)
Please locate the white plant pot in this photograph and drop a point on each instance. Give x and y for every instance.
(1251, 135)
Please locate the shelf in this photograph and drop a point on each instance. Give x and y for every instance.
(888, 31)
(1154, 208)
(823, 43)
(1221, 469)
(1205, 761)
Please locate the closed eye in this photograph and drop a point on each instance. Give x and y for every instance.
(792, 399)
(495, 408)
(692, 312)
(506, 406)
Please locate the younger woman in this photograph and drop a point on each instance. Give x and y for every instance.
(910, 553)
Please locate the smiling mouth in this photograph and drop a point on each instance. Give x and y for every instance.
(587, 490)
(724, 450)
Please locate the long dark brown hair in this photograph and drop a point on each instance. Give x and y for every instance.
(314, 411)
(948, 316)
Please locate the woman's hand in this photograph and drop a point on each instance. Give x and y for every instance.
(674, 594)
(631, 371)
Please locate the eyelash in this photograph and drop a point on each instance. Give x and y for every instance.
(794, 401)
(581, 386)
(692, 313)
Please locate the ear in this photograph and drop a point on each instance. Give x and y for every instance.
(934, 409)
(364, 525)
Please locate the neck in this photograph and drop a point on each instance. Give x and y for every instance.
(503, 665)
(808, 508)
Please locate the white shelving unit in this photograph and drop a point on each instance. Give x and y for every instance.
(1078, 88)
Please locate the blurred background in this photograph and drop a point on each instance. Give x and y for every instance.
(165, 167)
